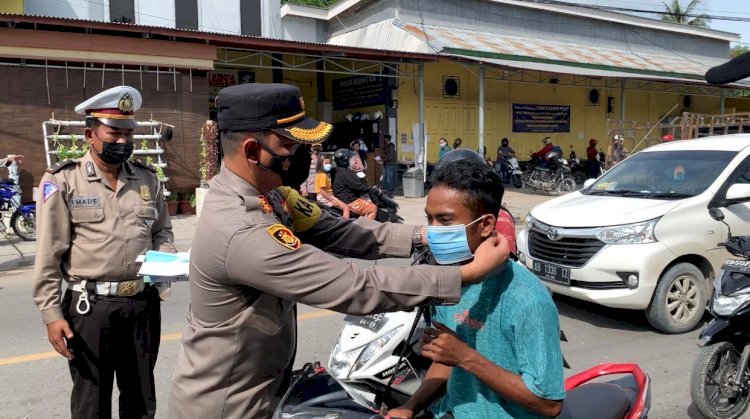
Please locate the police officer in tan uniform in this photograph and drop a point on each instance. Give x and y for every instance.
(250, 263)
(96, 215)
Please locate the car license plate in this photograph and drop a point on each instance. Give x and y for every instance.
(373, 322)
(550, 272)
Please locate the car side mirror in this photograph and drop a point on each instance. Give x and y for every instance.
(739, 192)
(716, 214)
(588, 183)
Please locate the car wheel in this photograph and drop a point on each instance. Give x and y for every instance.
(679, 300)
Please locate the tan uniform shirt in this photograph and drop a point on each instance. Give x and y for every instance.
(245, 277)
(87, 230)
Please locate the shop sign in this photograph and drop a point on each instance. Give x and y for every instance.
(359, 92)
(541, 118)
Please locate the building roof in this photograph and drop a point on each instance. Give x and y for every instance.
(584, 57)
(603, 15)
(213, 38)
(534, 54)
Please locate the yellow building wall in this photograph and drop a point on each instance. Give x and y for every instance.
(451, 118)
(11, 6)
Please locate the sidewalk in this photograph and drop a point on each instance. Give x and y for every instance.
(412, 209)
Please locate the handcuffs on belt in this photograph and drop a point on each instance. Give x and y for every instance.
(83, 299)
(124, 289)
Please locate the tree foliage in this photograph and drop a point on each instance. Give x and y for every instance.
(675, 13)
(738, 50)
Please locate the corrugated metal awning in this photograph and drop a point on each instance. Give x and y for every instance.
(386, 35)
(523, 53)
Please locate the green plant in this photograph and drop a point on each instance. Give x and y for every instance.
(192, 200)
(208, 152)
(173, 197)
(73, 151)
(150, 161)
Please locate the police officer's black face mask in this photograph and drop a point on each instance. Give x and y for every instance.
(115, 153)
(293, 169)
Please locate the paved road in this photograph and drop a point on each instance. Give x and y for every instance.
(34, 382)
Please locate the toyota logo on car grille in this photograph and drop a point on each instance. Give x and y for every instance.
(553, 234)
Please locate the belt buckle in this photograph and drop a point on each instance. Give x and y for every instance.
(128, 288)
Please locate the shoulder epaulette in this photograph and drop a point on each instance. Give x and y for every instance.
(60, 165)
(143, 165)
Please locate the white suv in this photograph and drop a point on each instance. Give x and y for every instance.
(640, 237)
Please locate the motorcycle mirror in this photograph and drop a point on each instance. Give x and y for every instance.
(716, 214)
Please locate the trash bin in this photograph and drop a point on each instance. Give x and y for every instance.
(413, 183)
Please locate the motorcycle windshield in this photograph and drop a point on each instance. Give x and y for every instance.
(734, 281)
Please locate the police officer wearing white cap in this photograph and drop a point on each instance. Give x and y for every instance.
(96, 215)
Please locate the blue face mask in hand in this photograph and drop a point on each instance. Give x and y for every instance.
(449, 244)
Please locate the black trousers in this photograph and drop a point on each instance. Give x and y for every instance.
(119, 337)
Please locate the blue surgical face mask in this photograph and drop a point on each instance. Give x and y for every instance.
(327, 167)
(449, 244)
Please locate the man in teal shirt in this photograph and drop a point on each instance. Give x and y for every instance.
(496, 354)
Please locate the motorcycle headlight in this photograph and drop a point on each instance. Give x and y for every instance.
(340, 363)
(374, 347)
(725, 305)
(638, 233)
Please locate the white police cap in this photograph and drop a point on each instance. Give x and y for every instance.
(114, 107)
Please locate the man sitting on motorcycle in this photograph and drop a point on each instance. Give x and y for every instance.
(540, 156)
(496, 354)
(349, 184)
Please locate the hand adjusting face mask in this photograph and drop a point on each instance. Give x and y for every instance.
(449, 244)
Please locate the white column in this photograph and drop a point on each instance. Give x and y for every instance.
(480, 128)
(421, 122)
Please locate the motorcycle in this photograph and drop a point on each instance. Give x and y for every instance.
(720, 381)
(556, 176)
(376, 363)
(509, 171)
(577, 168)
(387, 207)
(22, 216)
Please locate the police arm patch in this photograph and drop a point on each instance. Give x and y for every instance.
(284, 236)
(48, 189)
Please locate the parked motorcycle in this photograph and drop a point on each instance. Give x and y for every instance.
(720, 382)
(509, 171)
(22, 216)
(376, 363)
(555, 176)
(577, 168)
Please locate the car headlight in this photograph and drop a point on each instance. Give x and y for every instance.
(374, 347)
(638, 233)
(341, 362)
(725, 305)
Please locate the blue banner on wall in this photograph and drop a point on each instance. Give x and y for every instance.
(541, 118)
(359, 92)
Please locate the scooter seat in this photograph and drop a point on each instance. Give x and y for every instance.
(596, 400)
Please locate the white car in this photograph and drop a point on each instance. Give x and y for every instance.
(640, 237)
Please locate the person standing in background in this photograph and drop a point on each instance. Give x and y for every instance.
(390, 163)
(307, 189)
(443, 148)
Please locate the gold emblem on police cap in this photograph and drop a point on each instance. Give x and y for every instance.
(126, 103)
(145, 193)
(302, 103)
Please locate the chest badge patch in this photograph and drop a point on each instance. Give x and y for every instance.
(145, 193)
(284, 236)
(85, 202)
(49, 189)
(265, 206)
